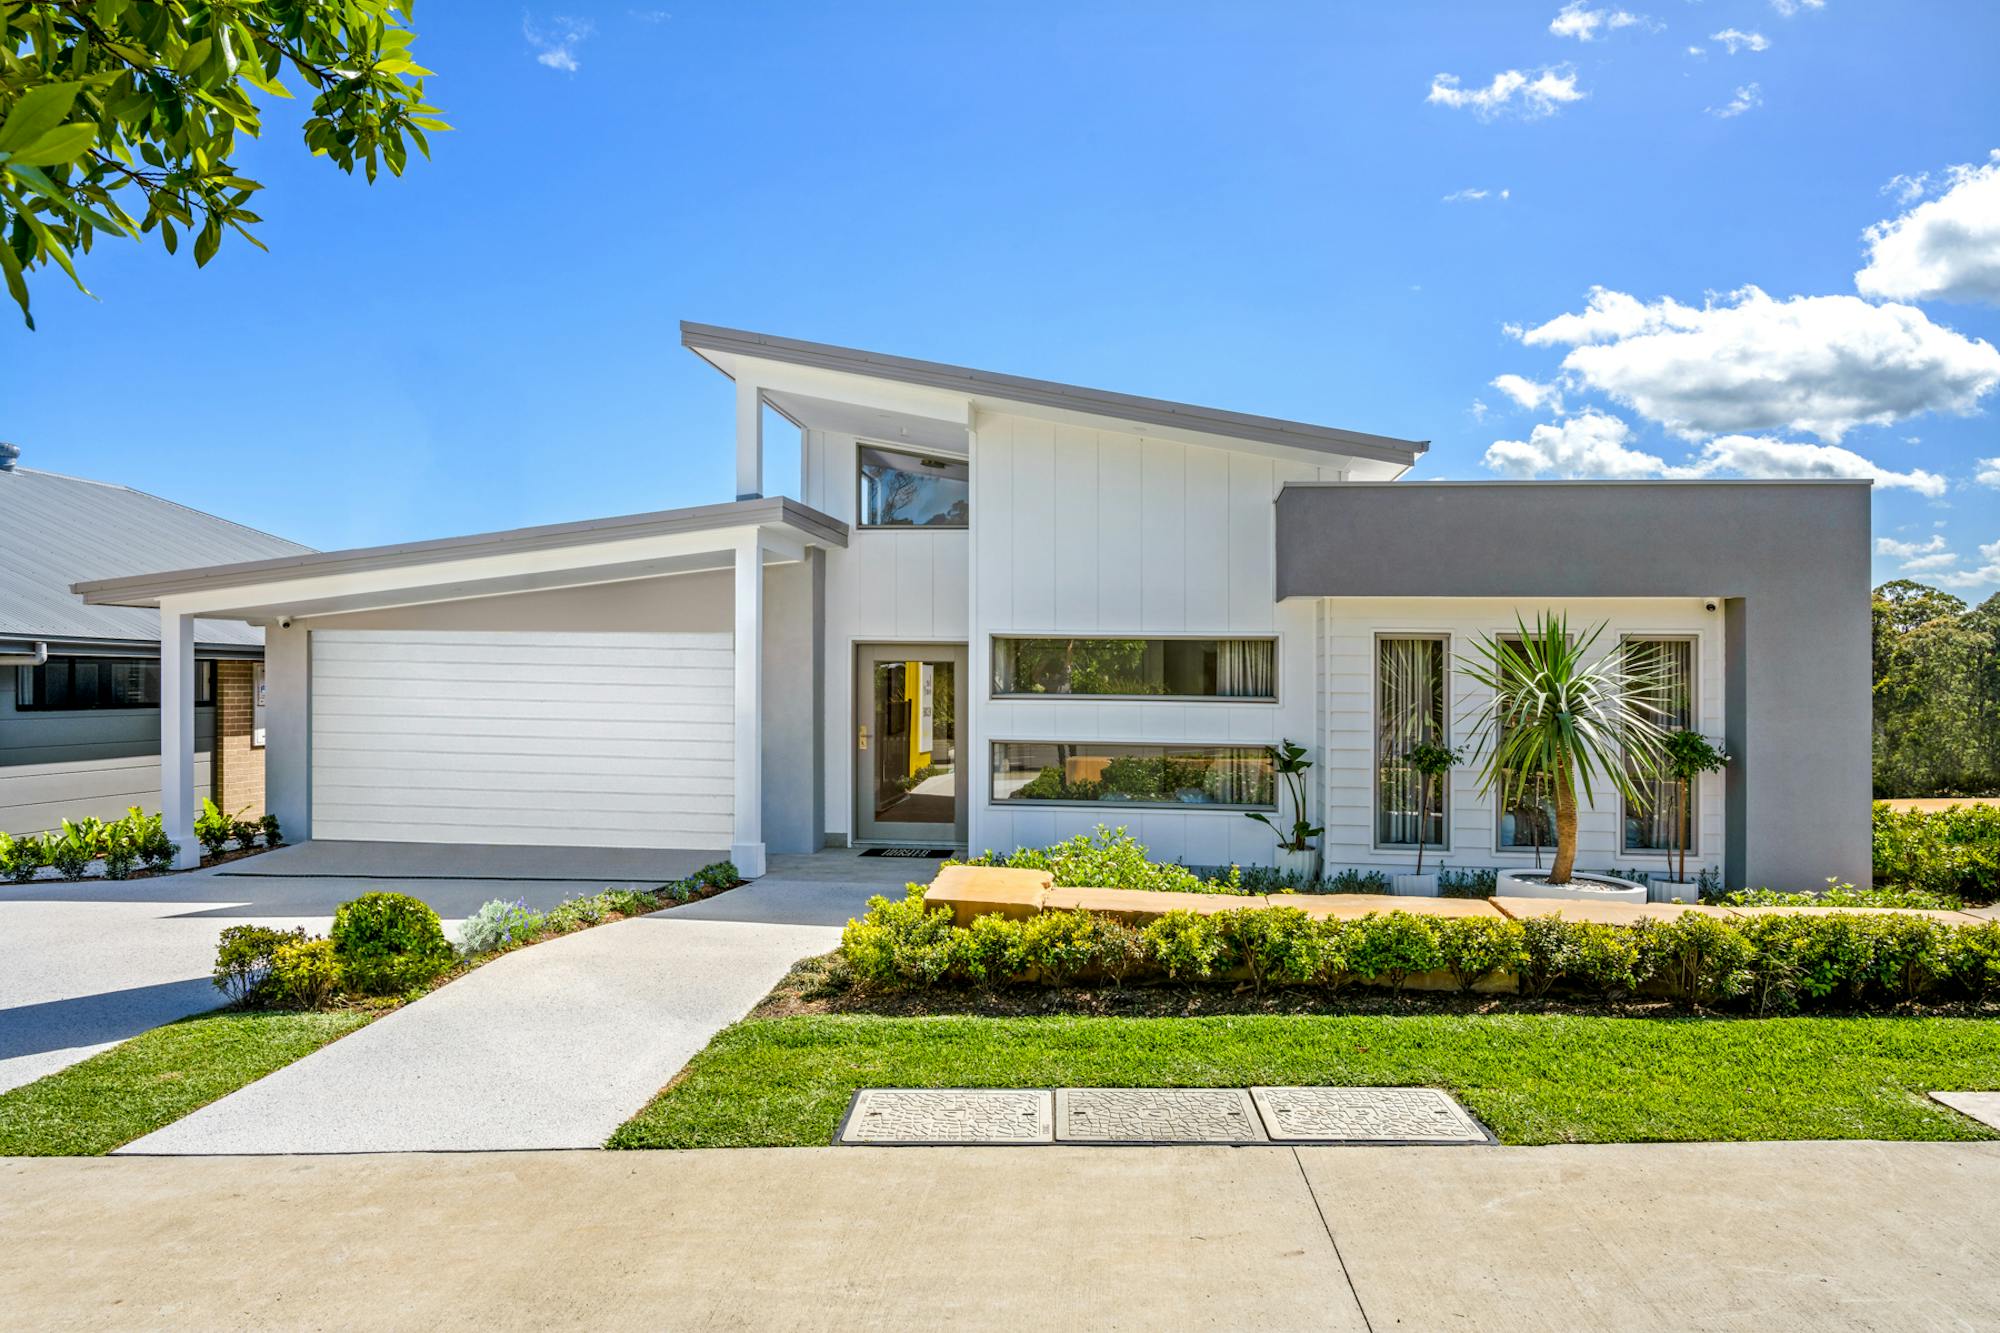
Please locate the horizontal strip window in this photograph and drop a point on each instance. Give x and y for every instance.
(81, 684)
(902, 490)
(1165, 668)
(1113, 773)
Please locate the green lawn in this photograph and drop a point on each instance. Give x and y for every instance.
(1531, 1078)
(157, 1077)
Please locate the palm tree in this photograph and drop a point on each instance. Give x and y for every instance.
(1554, 714)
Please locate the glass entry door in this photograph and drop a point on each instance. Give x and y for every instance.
(910, 779)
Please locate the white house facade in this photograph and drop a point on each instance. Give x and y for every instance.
(1000, 611)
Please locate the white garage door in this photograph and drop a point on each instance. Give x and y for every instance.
(606, 740)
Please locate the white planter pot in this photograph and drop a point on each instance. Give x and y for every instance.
(1304, 864)
(1414, 886)
(1581, 888)
(1666, 890)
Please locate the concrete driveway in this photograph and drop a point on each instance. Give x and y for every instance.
(85, 965)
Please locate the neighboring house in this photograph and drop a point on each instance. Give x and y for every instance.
(1004, 610)
(80, 685)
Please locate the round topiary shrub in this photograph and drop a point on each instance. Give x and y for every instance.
(388, 943)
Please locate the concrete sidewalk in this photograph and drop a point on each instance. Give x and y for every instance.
(1640, 1237)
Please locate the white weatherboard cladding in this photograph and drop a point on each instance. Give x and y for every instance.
(1351, 627)
(618, 740)
(1081, 531)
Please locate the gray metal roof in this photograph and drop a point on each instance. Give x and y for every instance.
(702, 338)
(57, 530)
(147, 589)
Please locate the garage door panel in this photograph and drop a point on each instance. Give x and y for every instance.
(611, 739)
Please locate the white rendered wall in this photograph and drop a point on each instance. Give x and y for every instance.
(1079, 531)
(1351, 626)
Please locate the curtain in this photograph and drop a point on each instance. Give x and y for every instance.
(1246, 668)
(1410, 687)
(1651, 827)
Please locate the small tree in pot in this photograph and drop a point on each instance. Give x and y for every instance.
(1430, 763)
(1555, 713)
(1295, 849)
(1685, 756)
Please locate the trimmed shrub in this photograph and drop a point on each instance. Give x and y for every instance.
(1277, 946)
(1473, 948)
(212, 828)
(73, 849)
(1972, 960)
(1550, 950)
(1906, 954)
(243, 957)
(1700, 959)
(496, 925)
(1121, 950)
(20, 858)
(389, 943)
(1771, 981)
(304, 974)
(1185, 945)
(1110, 859)
(1611, 961)
(1390, 948)
(897, 944)
(1467, 883)
(989, 949)
(1056, 946)
(273, 835)
(1953, 851)
(1845, 895)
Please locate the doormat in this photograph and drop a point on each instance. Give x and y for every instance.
(912, 853)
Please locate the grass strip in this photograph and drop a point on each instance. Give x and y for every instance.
(1531, 1078)
(159, 1076)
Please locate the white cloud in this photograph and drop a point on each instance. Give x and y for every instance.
(1989, 472)
(1908, 189)
(1479, 409)
(1748, 98)
(1820, 364)
(1910, 550)
(1471, 195)
(555, 46)
(1787, 8)
(1582, 23)
(1945, 249)
(1738, 40)
(1541, 94)
(1590, 444)
(1696, 51)
(1930, 563)
(1755, 456)
(1987, 573)
(1526, 393)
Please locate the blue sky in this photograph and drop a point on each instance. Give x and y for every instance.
(1263, 207)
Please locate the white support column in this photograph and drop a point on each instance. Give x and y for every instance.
(749, 440)
(177, 795)
(747, 846)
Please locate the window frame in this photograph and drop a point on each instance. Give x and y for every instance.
(1693, 639)
(204, 692)
(1375, 843)
(862, 446)
(995, 801)
(1276, 695)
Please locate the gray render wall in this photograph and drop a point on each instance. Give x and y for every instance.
(1788, 562)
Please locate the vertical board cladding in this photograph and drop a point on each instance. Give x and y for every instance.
(888, 585)
(1102, 532)
(239, 762)
(1352, 627)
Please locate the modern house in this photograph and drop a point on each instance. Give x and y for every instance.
(1003, 610)
(80, 684)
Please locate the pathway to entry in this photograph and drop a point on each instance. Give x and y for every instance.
(552, 1046)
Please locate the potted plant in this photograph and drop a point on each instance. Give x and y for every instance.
(1556, 714)
(1684, 757)
(1430, 762)
(1297, 856)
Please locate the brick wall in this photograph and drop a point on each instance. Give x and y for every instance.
(239, 766)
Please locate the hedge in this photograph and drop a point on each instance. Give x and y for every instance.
(1763, 964)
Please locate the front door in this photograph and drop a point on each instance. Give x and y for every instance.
(910, 780)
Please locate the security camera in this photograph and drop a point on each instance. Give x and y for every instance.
(285, 622)
(1711, 606)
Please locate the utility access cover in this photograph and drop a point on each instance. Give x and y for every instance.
(948, 1116)
(1365, 1115)
(1156, 1115)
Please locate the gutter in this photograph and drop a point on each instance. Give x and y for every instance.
(33, 658)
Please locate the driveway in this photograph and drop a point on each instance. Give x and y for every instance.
(85, 965)
(549, 1047)
(1639, 1237)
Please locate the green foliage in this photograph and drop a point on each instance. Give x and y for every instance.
(21, 858)
(1551, 949)
(1837, 894)
(988, 950)
(1289, 762)
(498, 924)
(119, 117)
(1698, 958)
(1972, 961)
(389, 943)
(1185, 945)
(72, 849)
(243, 957)
(1949, 852)
(898, 944)
(1473, 948)
(268, 826)
(1109, 858)
(1467, 882)
(1388, 949)
(1057, 946)
(1611, 961)
(212, 828)
(1937, 693)
(304, 974)
(1277, 946)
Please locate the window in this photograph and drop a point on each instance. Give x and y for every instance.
(1409, 711)
(1650, 827)
(1527, 821)
(72, 684)
(1152, 668)
(1114, 773)
(900, 490)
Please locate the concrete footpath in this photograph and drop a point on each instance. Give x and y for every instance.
(1638, 1237)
